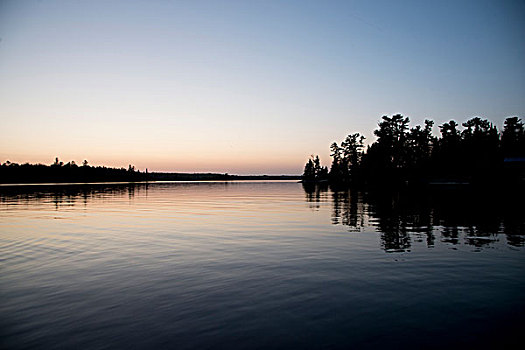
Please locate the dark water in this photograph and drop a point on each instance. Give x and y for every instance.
(259, 265)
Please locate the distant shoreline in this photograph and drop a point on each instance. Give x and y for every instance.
(214, 177)
(60, 173)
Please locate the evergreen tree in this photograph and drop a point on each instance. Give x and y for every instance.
(336, 173)
(513, 138)
(392, 141)
(352, 151)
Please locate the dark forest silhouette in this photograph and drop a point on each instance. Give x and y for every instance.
(58, 172)
(69, 172)
(477, 153)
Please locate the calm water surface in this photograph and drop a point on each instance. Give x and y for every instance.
(258, 265)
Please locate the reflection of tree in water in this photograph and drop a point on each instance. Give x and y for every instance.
(450, 234)
(482, 234)
(514, 222)
(400, 219)
(349, 209)
(68, 195)
(475, 215)
(394, 235)
(470, 217)
(315, 194)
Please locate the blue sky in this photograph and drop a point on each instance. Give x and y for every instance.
(244, 86)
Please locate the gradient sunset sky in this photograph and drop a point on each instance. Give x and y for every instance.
(246, 87)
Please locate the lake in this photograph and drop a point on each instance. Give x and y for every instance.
(263, 265)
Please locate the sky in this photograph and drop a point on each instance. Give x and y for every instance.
(244, 87)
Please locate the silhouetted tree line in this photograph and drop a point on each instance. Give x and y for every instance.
(476, 153)
(313, 171)
(68, 172)
(71, 172)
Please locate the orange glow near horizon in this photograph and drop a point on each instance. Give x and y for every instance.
(241, 166)
(243, 89)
